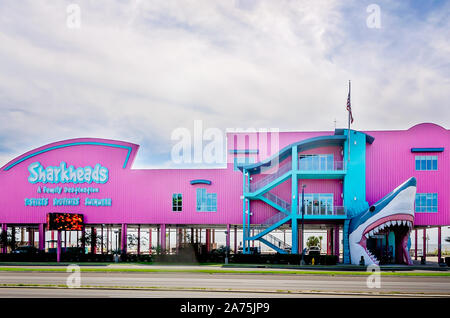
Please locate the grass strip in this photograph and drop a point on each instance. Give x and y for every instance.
(107, 264)
(278, 291)
(218, 271)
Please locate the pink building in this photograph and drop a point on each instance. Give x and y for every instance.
(259, 191)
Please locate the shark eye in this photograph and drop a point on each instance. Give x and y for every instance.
(372, 208)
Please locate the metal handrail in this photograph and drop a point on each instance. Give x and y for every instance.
(337, 166)
(269, 222)
(277, 200)
(276, 241)
(335, 211)
(270, 177)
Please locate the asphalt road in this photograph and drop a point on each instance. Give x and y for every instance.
(215, 285)
(117, 293)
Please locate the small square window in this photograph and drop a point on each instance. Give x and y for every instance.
(206, 202)
(426, 202)
(177, 202)
(426, 163)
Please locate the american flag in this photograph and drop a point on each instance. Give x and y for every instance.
(349, 106)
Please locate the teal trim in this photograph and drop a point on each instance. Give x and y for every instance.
(354, 188)
(440, 149)
(317, 174)
(244, 239)
(244, 151)
(70, 145)
(294, 204)
(391, 243)
(200, 181)
(346, 242)
(276, 248)
(248, 224)
(369, 138)
(242, 161)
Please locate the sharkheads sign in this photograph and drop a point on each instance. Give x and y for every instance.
(63, 174)
(88, 176)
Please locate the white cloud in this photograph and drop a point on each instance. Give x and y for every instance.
(137, 70)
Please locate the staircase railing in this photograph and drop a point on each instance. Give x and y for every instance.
(271, 221)
(277, 200)
(277, 242)
(269, 178)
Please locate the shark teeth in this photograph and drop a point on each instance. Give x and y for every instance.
(372, 257)
(380, 228)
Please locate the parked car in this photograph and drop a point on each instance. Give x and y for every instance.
(25, 250)
(313, 250)
(253, 250)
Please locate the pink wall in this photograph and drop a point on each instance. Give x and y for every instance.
(145, 196)
(138, 196)
(389, 162)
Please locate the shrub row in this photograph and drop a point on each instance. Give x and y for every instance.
(288, 259)
(51, 257)
(185, 256)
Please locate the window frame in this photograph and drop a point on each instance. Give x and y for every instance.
(426, 163)
(177, 202)
(205, 202)
(427, 202)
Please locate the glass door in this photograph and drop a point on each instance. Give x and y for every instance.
(326, 203)
(308, 204)
(317, 204)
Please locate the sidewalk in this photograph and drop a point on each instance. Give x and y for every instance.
(430, 266)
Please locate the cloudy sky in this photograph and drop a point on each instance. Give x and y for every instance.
(136, 70)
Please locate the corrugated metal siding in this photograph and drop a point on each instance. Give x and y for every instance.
(145, 196)
(390, 162)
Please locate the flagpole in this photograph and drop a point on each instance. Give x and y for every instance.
(348, 131)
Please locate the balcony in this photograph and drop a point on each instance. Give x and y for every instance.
(321, 167)
(313, 212)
